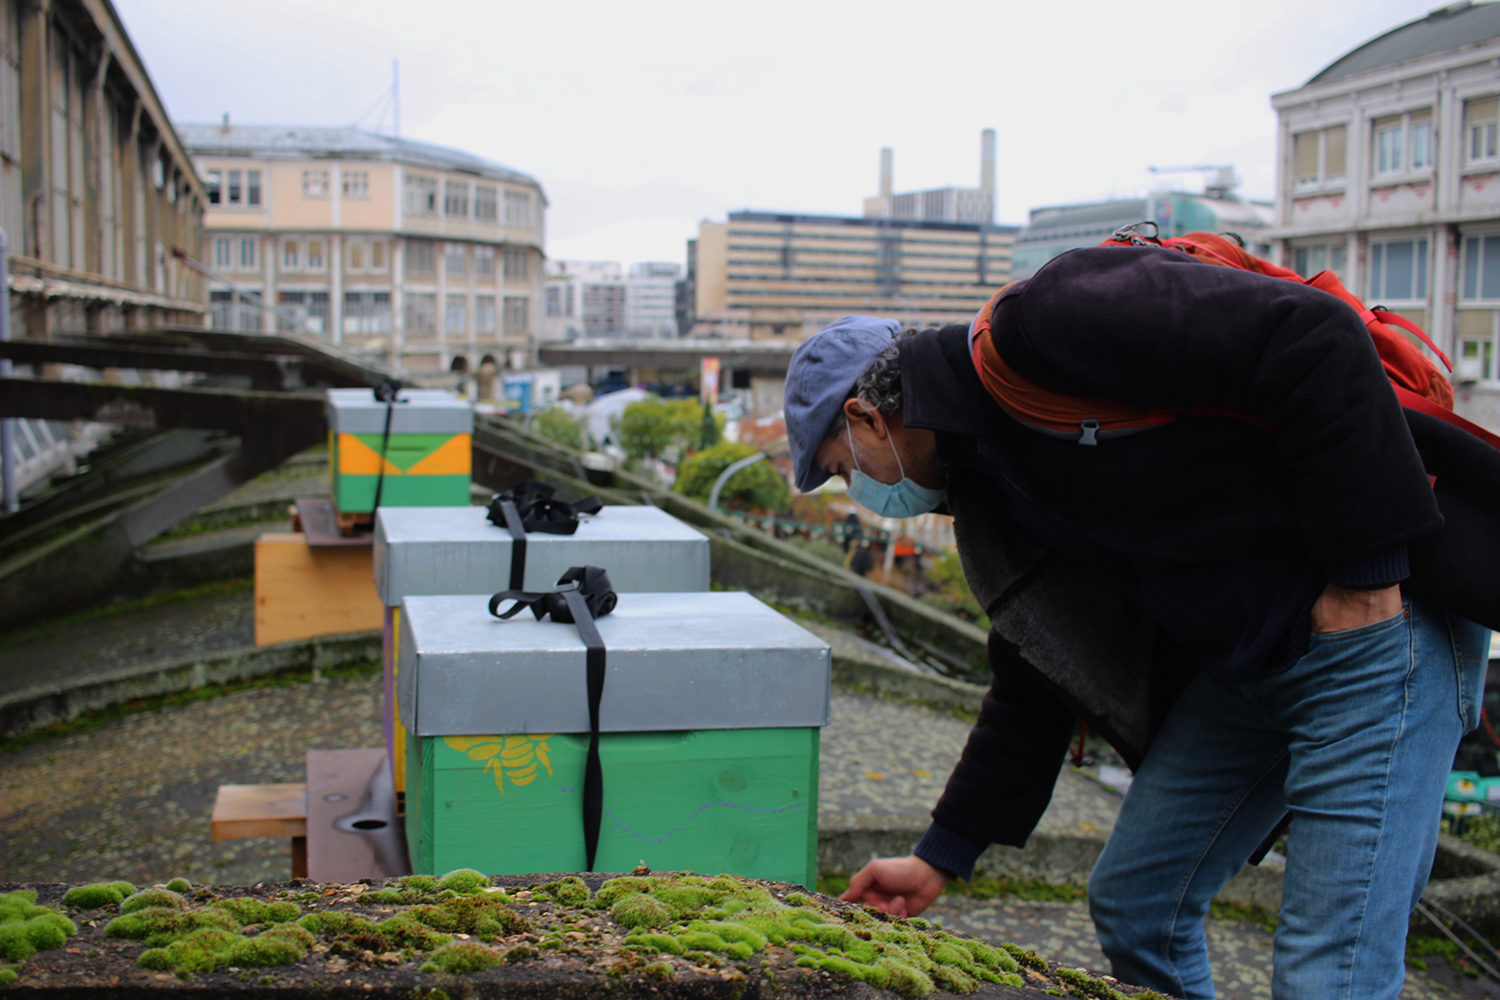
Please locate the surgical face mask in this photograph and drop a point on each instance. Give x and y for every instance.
(900, 499)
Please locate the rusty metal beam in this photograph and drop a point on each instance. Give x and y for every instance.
(266, 371)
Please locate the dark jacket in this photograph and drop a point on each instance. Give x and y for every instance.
(1343, 483)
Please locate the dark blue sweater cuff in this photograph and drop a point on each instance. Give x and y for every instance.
(950, 851)
(1378, 569)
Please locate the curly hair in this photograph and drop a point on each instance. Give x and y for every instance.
(878, 385)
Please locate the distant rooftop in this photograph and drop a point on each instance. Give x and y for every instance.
(848, 220)
(1459, 25)
(312, 140)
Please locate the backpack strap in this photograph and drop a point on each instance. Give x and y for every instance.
(582, 594)
(1380, 314)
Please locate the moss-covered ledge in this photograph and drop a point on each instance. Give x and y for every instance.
(465, 935)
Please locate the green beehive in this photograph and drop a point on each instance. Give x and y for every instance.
(710, 729)
(427, 456)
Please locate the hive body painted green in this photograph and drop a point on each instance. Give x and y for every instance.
(421, 445)
(742, 801)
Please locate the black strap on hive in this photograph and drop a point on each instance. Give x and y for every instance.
(529, 506)
(583, 594)
(386, 392)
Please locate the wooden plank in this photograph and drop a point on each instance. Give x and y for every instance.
(244, 811)
(302, 592)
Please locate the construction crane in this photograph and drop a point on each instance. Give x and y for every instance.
(1219, 181)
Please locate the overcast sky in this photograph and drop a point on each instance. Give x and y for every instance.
(641, 119)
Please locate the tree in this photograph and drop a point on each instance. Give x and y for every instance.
(556, 424)
(758, 485)
(654, 427)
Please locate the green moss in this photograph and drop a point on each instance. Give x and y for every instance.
(1025, 957)
(419, 883)
(664, 943)
(211, 947)
(463, 958)
(520, 953)
(160, 926)
(26, 928)
(149, 898)
(484, 915)
(7, 976)
(354, 933)
(570, 891)
(125, 888)
(1081, 984)
(465, 881)
(390, 897)
(253, 911)
(93, 896)
(179, 885)
(618, 888)
(660, 971)
(640, 910)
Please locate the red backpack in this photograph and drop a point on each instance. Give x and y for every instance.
(1416, 380)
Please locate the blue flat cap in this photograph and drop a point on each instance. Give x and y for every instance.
(823, 370)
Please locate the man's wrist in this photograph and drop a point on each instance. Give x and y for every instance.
(949, 851)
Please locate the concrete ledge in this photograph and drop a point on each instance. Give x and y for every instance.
(25, 711)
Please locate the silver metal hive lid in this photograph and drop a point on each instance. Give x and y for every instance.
(422, 411)
(456, 550)
(716, 660)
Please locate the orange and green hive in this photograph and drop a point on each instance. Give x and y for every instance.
(425, 460)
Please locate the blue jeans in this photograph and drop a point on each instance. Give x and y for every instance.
(1355, 741)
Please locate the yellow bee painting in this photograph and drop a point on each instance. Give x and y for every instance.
(513, 757)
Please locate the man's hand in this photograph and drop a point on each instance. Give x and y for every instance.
(1343, 608)
(903, 887)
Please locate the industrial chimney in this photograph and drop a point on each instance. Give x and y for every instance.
(987, 171)
(886, 157)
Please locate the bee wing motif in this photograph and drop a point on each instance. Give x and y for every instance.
(515, 756)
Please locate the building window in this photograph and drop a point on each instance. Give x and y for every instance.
(247, 253)
(484, 314)
(516, 262)
(377, 255)
(242, 189)
(252, 188)
(1310, 260)
(1476, 345)
(356, 183)
(315, 184)
(1320, 156)
(420, 258)
(1482, 130)
(236, 192)
(568, 302)
(554, 300)
(484, 262)
(1398, 270)
(517, 315)
(1481, 268)
(367, 312)
(315, 255)
(1421, 142)
(456, 199)
(518, 209)
(302, 312)
(290, 259)
(1388, 133)
(354, 256)
(421, 195)
(456, 314)
(223, 254)
(215, 185)
(421, 313)
(484, 203)
(455, 259)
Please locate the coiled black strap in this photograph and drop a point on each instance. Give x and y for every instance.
(581, 595)
(530, 507)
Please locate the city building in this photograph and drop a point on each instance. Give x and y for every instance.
(428, 256)
(651, 300)
(770, 276)
(97, 193)
(585, 298)
(1053, 229)
(1388, 173)
(969, 206)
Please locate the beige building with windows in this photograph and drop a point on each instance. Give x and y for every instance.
(96, 189)
(427, 256)
(1389, 174)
